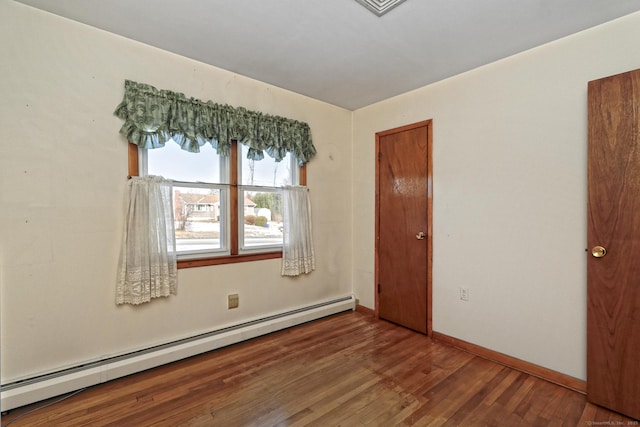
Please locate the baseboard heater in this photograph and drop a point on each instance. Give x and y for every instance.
(53, 384)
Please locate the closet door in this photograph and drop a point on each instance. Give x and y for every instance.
(403, 225)
(613, 266)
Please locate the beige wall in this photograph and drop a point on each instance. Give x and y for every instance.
(509, 217)
(509, 196)
(63, 168)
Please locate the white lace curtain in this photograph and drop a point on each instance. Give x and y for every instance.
(148, 267)
(298, 256)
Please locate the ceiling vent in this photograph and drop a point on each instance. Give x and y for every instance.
(380, 7)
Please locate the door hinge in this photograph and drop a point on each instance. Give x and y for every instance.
(378, 287)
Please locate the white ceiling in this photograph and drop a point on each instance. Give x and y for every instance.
(336, 50)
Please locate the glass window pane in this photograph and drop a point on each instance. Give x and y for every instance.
(174, 163)
(262, 219)
(197, 218)
(265, 172)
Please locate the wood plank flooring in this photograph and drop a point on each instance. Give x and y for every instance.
(346, 370)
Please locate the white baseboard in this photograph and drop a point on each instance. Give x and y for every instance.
(46, 386)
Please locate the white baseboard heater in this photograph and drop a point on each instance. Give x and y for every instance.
(53, 384)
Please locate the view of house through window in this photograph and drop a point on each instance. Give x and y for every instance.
(260, 181)
(202, 195)
(197, 216)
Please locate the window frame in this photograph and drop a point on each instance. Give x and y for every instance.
(234, 250)
(224, 215)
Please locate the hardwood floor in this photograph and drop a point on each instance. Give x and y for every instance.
(346, 370)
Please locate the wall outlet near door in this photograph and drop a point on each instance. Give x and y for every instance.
(464, 294)
(233, 301)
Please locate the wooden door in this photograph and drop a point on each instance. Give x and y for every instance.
(613, 266)
(403, 226)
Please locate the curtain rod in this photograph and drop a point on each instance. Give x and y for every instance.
(230, 185)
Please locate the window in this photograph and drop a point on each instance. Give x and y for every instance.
(226, 209)
(261, 199)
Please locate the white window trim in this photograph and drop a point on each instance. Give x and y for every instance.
(225, 212)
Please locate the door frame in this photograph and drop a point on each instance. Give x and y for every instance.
(429, 125)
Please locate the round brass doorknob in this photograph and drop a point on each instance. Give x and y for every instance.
(598, 251)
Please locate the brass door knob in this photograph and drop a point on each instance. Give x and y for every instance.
(420, 235)
(598, 251)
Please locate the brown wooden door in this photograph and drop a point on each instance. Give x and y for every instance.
(403, 229)
(613, 307)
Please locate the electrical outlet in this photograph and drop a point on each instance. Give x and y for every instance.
(464, 294)
(233, 301)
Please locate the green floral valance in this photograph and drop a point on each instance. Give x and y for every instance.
(153, 116)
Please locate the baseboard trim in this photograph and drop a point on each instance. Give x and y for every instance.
(546, 374)
(365, 310)
(83, 375)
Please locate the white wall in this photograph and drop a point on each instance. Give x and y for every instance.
(510, 156)
(63, 168)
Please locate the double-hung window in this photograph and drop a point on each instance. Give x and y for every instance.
(226, 208)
